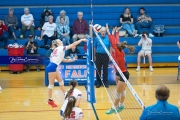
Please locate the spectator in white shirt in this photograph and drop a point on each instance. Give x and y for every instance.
(27, 22)
(48, 31)
(145, 51)
(62, 14)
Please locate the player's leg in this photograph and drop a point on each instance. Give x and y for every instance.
(140, 54)
(61, 82)
(117, 79)
(52, 76)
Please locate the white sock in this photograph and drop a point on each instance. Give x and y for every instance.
(121, 104)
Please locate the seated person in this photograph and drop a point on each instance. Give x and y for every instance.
(162, 110)
(3, 37)
(80, 28)
(12, 22)
(66, 18)
(31, 46)
(72, 51)
(48, 32)
(63, 32)
(45, 16)
(27, 22)
(144, 21)
(126, 19)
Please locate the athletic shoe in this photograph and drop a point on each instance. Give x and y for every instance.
(136, 35)
(98, 86)
(151, 35)
(150, 68)
(120, 108)
(140, 35)
(52, 103)
(110, 111)
(138, 68)
(0, 88)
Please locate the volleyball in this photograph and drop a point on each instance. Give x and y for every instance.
(97, 27)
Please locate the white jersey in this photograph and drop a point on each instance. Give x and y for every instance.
(27, 19)
(49, 29)
(145, 44)
(75, 114)
(57, 55)
(76, 93)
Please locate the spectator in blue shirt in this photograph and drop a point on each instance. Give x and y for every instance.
(162, 110)
(102, 58)
(63, 31)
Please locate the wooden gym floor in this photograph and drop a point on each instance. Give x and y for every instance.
(24, 95)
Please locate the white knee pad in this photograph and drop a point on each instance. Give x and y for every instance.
(61, 83)
(118, 95)
(50, 86)
(124, 93)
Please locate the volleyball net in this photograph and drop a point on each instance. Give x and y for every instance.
(133, 103)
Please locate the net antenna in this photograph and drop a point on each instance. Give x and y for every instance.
(122, 75)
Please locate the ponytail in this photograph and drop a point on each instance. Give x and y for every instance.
(54, 42)
(72, 84)
(69, 107)
(123, 45)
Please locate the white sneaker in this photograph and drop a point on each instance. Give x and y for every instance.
(138, 68)
(151, 35)
(140, 35)
(136, 35)
(150, 68)
(0, 88)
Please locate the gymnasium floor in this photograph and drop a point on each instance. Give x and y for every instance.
(24, 96)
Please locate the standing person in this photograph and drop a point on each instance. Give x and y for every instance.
(48, 32)
(162, 110)
(119, 58)
(144, 21)
(72, 112)
(126, 19)
(63, 31)
(11, 22)
(32, 47)
(80, 28)
(57, 56)
(145, 51)
(3, 37)
(102, 58)
(27, 22)
(62, 14)
(73, 91)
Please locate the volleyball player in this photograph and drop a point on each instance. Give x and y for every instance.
(73, 91)
(119, 57)
(57, 56)
(71, 111)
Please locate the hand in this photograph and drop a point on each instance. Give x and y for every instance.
(107, 28)
(128, 22)
(28, 43)
(85, 40)
(118, 29)
(114, 29)
(28, 27)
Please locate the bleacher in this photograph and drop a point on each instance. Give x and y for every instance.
(163, 12)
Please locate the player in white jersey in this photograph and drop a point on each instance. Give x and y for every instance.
(72, 112)
(73, 91)
(57, 56)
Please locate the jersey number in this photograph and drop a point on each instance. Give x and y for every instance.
(72, 114)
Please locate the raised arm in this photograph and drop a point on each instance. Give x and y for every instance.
(75, 43)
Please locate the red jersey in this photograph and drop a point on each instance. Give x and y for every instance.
(117, 55)
(3, 27)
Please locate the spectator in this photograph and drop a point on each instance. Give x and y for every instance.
(3, 37)
(45, 16)
(48, 32)
(11, 22)
(102, 58)
(27, 22)
(126, 19)
(62, 14)
(48, 53)
(63, 32)
(145, 51)
(144, 21)
(80, 28)
(162, 110)
(31, 46)
(178, 44)
(73, 51)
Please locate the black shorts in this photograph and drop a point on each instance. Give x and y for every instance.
(126, 74)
